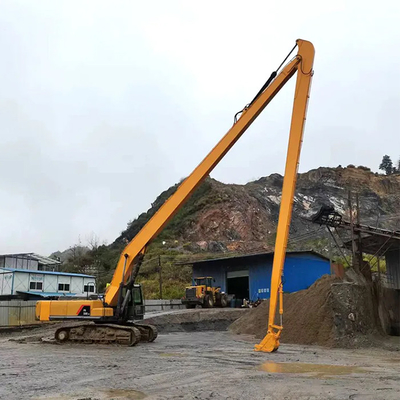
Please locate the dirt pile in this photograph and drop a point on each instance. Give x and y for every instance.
(329, 313)
(307, 316)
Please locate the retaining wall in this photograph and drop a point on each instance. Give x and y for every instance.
(160, 305)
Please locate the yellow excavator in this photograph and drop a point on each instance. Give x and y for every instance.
(112, 319)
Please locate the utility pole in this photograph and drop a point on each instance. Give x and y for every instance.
(160, 275)
(358, 209)
(353, 243)
(379, 268)
(359, 247)
(330, 258)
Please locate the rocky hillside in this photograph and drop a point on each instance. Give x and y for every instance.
(231, 219)
(222, 217)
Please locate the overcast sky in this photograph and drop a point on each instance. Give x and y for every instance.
(104, 104)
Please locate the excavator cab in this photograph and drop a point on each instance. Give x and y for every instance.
(204, 281)
(135, 308)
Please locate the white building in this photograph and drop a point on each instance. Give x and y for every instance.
(30, 284)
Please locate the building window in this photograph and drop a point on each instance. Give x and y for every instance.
(88, 288)
(35, 282)
(63, 287)
(35, 285)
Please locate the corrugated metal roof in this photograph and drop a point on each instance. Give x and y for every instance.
(249, 256)
(48, 294)
(33, 256)
(34, 271)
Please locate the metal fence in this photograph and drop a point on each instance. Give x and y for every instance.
(17, 313)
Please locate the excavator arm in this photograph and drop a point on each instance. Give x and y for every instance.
(301, 63)
(271, 341)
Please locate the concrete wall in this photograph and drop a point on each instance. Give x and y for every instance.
(360, 310)
(389, 309)
(161, 305)
(353, 311)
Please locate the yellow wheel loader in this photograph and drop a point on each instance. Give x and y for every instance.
(203, 293)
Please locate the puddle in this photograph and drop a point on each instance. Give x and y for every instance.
(317, 370)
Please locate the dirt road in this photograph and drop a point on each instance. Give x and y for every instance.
(196, 365)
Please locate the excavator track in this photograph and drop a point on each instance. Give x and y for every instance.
(148, 333)
(99, 333)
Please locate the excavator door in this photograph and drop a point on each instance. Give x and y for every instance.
(136, 308)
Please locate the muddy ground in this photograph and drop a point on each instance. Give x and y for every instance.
(191, 365)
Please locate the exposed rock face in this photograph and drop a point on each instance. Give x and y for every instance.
(244, 217)
(238, 216)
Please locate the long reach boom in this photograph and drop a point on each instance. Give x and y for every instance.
(302, 64)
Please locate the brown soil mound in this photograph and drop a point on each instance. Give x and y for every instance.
(307, 317)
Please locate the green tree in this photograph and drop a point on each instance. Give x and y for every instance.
(386, 165)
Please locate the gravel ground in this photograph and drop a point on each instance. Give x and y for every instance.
(195, 365)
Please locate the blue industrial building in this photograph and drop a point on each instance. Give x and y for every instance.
(249, 276)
